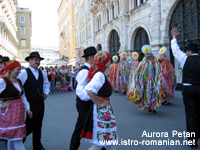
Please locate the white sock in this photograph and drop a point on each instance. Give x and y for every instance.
(18, 144)
(10, 145)
(95, 147)
(111, 147)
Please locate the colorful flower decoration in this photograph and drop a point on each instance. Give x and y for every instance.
(123, 54)
(115, 58)
(135, 55)
(163, 50)
(146, 49)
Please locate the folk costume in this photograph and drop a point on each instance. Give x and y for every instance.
(113, 72)
(35, 84)
(134, 66)
(191, 86)
(123, 74)
(145, 86)
(12, 124)
(83, 101)
(168, 83)
(100, 123)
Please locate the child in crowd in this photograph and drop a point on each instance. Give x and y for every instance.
(58, 78)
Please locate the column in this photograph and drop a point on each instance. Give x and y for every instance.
(102, 21)
(130, 5)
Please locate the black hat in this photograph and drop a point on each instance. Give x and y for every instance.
(192, 46)
(34, 54)
(5, 59)
(89, 51)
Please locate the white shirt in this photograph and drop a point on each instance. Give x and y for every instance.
(23, 77)
(96, 83)
(82, 80)
(180, 56)
(3, 86)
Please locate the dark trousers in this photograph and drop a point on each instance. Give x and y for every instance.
(191, 99)
(34, 125)
(82, 108)
(74, 83)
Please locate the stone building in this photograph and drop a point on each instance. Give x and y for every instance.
(24, 33)
(126, 25)
(8, 28)
(49, 54)
(66, 31)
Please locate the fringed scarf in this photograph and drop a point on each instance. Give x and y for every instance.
(169, 82)
(145, 87)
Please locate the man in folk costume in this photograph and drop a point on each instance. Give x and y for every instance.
(113, 72)
(134, 66)
(168, 83)
(123, 74)
(36, 87)
(83, 101)
(145, 87)
(190, 62)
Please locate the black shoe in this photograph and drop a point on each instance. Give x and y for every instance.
(116, 91)
(168, 103)
(124, 92)
(163, 103)
(154, 111)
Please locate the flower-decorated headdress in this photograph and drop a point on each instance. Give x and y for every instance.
(147, 49)
(115, 58)
(135, 55)
(163, 50)
(123, 54)
(100, 59)
(11, 64)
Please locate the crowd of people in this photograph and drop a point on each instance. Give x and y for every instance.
(148, 84)
(61, 78)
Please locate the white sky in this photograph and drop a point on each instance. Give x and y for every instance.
(44, 21)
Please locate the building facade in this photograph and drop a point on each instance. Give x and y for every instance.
(127, 25)
(8, 28)
(49, 54)
(66, 31)
(24, 33)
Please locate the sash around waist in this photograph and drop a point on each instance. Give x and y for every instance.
(10, 98)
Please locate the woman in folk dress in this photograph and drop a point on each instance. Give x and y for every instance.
(12, 125)
(100, 124)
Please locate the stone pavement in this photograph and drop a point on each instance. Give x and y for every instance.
(60, 118)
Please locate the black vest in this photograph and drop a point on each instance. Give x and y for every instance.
(191, 70)
(10, 90)
(106, 89)
(84, 67)
(34, 88)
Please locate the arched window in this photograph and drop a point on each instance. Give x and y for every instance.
(141, 39)
(99, 47)
(114, 43)
(186, 17)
